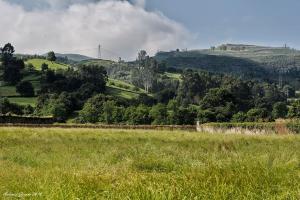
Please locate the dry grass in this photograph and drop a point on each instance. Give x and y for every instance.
(116, 164)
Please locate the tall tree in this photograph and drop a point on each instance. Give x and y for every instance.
(11, 66)
(51, 56)
(94, 75)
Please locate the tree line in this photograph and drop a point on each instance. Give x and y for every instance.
(80, 92)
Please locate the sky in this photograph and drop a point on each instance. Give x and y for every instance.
(125, 27)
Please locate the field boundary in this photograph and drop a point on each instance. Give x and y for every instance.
(126, 127)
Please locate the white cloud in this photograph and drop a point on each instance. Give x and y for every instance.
(117, 25)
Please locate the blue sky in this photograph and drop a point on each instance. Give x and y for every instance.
(79, 26)
(267, 22)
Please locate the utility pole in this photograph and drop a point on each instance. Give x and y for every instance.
(99, 51)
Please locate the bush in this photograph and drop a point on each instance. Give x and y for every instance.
(205, 116)
(25, 89)
(256, 114)
(93, 109)
(239, 117)
(159, 113)
(280, 110)
(294, 110)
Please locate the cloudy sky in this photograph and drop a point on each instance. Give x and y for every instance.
(124, 27)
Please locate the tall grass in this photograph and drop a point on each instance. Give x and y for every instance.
(116, 164)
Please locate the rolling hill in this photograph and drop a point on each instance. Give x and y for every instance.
(73, 57)
(37, 63)
(248, 61)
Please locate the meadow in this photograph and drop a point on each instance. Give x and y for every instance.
(141, 164)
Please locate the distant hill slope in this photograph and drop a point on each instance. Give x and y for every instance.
(73, 57)
(244, 60)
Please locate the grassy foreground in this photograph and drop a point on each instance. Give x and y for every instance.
(115, 164)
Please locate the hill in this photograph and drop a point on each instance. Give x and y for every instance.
(249, 61)
(37, 63)
(73, 57)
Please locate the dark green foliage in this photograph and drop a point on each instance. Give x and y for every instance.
(159, 113)
(213, 63)
(11, 65)
(93, 109)
(30, 68)
(51, 56)
(165, 96)
(138, 115)
(146, 100)
(205, 116)
(13, 119)
(294, 110)
(280, 110)
(57, 106)
(94, 75)
(44, 67)
(239, 117)
(9, 108)
(25, 88)
(257, 114)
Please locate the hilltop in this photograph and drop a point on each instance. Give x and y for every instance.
(73, 57)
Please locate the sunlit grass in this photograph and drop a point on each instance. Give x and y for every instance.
(37, 63)
(116, 164)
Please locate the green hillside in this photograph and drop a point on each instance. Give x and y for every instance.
(122, 89)
(249, 61)
(37, 63)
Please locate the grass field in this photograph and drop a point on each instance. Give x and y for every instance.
(37, 63)
(115, 164)
(23, 100)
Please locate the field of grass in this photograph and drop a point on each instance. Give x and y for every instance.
(173, 76)
(8, 91)
(116, 164)
(121, 92)
(37, 63)
(23, 100)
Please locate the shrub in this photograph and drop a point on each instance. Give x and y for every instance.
(25, 89)
(280, 110)
(239, 117)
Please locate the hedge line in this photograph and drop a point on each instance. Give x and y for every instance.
(11, 119)
(127, 127)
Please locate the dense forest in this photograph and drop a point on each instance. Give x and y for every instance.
(85, 91)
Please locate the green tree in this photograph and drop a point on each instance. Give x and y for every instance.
(11, 66)
(30, 67)
(172, 108)
(239, 117)
(205, 116)
(25, 88)
(109, 112)
(93, 109)
(51, 56)
(159, 114)
(44, 67)
(280, 110)
(95, 75)
(294, 110)
(138, 115)
(257, 114)
(59, 111)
